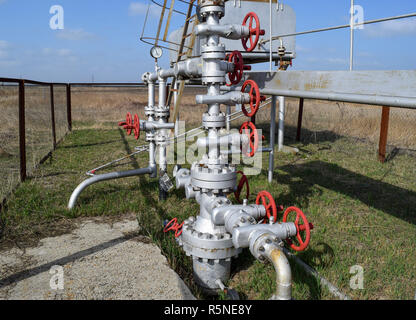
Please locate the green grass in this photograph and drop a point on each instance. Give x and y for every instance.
(363, 211)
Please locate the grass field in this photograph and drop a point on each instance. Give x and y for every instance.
(363, 211)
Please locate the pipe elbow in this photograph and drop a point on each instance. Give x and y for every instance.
(283, 274)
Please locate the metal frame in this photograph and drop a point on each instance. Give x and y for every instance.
(21, 83)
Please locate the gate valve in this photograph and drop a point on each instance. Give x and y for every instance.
(268, 202)
(255, 98)
(250, 131)
(127, 123)
(305, 227)
(239, 67)
(243, 181)
(173, 225)
(130, 125)
(255, 31)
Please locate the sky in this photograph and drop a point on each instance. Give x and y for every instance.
(100, 39)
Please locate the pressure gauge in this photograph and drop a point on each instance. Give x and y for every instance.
(156, 52)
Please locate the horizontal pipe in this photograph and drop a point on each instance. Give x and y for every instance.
(229, 31)
(104, 177)
(230, 98)
(397, 102)
(167, 73)
(344, 26)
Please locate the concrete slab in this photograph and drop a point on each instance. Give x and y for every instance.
(95, 261)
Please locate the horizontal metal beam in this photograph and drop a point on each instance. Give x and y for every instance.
(98, 84)
(344, 26)
(385, 88)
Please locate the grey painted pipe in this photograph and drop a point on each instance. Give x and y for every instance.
(281, 135)
(272, 138)
(399, 102)
(283, 273)
(333, 289)
(106, 176)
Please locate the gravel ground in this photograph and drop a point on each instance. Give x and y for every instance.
(97, 261)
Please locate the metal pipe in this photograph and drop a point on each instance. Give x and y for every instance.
(309, 270)
(283, 272)
(228, 122)
(167, 73)
(175, 101)
(400, 102)
(352, 35)
(104, 177)
(271, 35)
(152, 145)
(281, 122)
(410, 15)
(272, 137)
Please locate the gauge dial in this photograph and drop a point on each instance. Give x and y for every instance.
(156, 52)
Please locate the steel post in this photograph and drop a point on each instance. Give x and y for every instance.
(281, 123)
(272, 137)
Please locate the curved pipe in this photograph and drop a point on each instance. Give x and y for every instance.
(107, 176)
(283, 273)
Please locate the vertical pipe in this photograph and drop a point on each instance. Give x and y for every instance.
(53, 117)
(162, 147)
(300, 116)
(384, 128)
(152, 146)
(175, 100)
(271, 35)
(272, 137)
(352, 36)
(68, 106)
(281, 122)
(22, 130)
(228, 118)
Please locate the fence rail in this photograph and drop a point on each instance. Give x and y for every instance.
(22, 92)
(23, 85)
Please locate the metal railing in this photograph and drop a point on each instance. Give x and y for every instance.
(21, 84)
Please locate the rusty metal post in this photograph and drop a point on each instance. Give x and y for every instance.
(384, 129)
(300, 116)
(53, 117)
(22, 130)
(68, 106)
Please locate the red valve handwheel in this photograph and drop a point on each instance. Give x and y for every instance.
(173, 225)
(129, 122)
(252, 136)
(306, 226)
(255, 98)
(239, 67)
(124, 123)
(136, 126)
(254, 31)
(243, 181)
(269, 205)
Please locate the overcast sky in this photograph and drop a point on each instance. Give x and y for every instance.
(100, 39)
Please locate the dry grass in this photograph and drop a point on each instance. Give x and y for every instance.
(38, 123)
(97, 108)
(361, 208)
(354, 120)
(104, 107)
